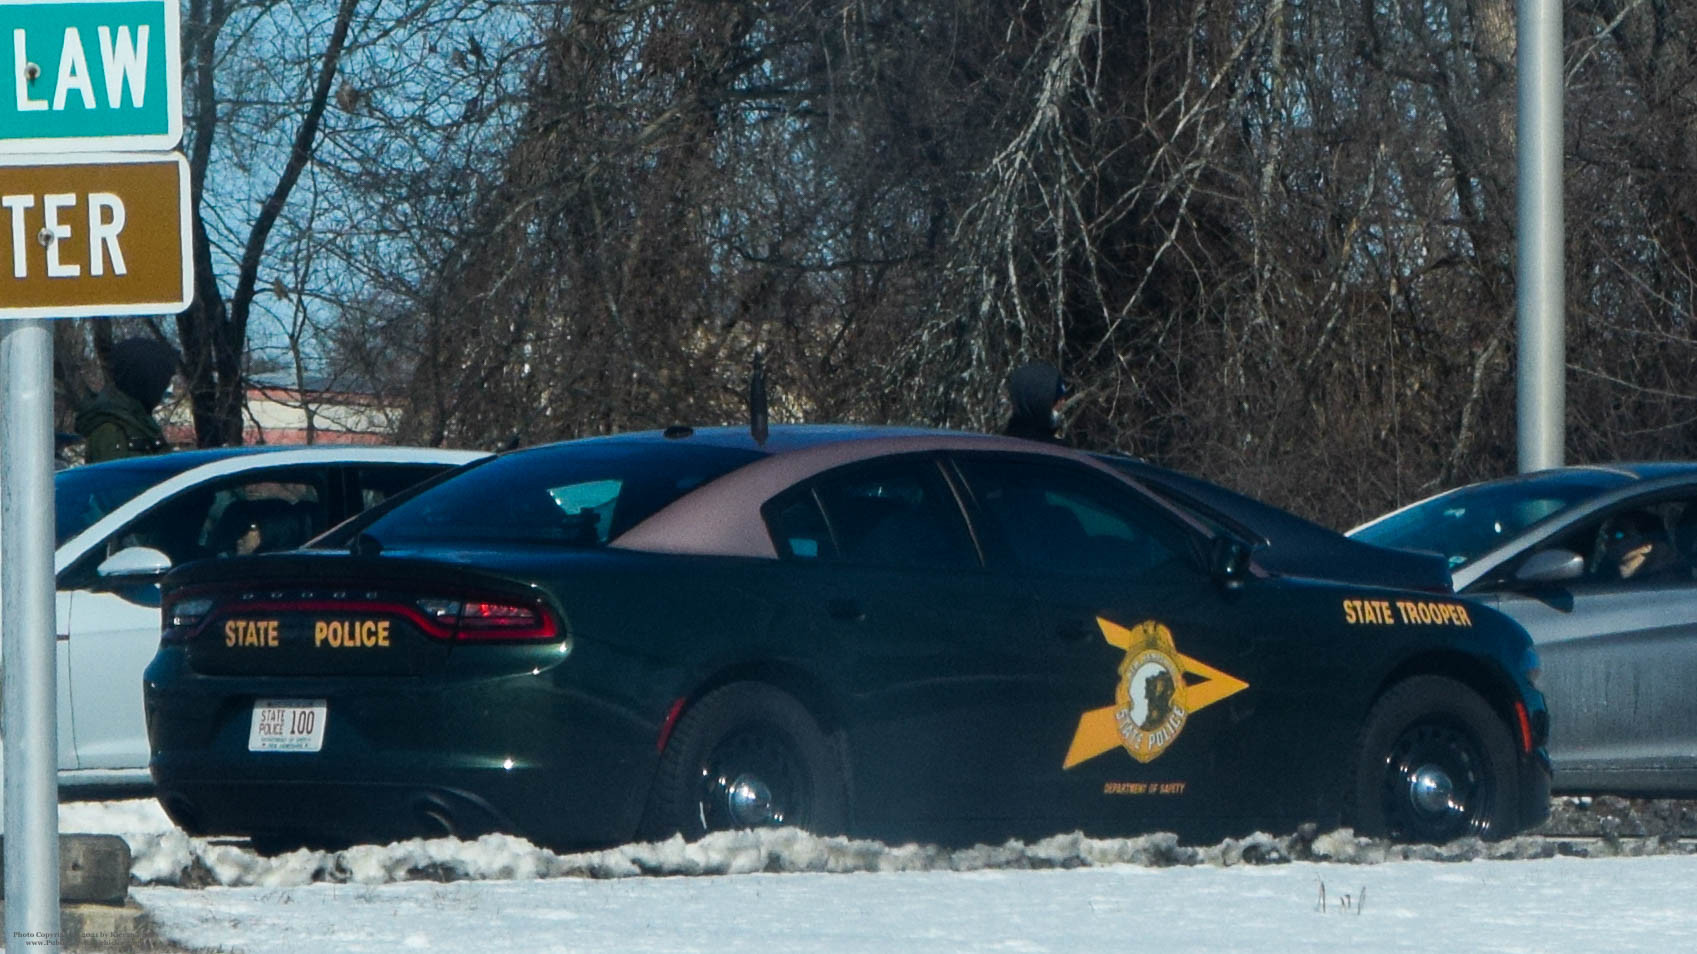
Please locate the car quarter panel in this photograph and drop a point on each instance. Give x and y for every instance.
(453, 738)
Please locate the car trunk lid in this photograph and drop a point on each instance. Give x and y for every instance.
(333, 614)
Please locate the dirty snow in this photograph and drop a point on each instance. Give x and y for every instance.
(785, 890)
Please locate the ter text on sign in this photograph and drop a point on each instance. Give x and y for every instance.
(86, 75)
(94, 235)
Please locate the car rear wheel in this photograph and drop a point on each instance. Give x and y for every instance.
(1435, 763)
(745, 756)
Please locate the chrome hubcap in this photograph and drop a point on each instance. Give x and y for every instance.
(748, 801)
(1437, 786)
(751, 779)
(1432, 791)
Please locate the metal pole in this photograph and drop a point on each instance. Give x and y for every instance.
(27, 638)
(1540, 297)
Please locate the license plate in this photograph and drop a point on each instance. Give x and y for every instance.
(287, 725)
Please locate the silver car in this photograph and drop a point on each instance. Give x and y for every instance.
(1599, 563)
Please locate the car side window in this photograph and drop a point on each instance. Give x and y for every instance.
(1052, 519)
(249, 513)
(263, 517)
(897, 513)
(1644, 543)
(799, 529)
(586, 509)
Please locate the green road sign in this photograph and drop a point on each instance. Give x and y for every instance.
(90, 75)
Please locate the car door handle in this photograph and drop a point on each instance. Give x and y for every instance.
(848, 610)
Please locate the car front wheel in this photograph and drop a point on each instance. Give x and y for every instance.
(1435, 763)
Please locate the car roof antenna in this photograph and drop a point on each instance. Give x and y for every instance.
(757, 418)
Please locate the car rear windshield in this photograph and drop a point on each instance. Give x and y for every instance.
(580, 494)
(82, 495)
(1470, 521)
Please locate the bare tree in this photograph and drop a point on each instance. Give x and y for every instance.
(1269, 240)
(214, 329)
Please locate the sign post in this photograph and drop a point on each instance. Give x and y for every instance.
(87, 229)
(26, 616)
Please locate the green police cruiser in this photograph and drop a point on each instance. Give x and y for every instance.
(891, 633)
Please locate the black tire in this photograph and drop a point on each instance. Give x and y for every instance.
(745, 756)
(1435, 763)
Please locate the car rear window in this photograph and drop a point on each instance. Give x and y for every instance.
(579, 494)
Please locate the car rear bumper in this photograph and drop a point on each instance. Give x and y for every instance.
(401, 759)
(270, 809)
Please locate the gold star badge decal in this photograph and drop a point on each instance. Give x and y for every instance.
(1154, 698)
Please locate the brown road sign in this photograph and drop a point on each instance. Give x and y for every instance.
(94, 235)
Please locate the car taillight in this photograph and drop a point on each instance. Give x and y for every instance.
(181, 617)
(487, 621)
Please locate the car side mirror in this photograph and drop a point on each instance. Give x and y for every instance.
(134, 565)
(1551, 566)
(1228, 562)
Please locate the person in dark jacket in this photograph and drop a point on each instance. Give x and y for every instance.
(118, 422)
(1037, 391)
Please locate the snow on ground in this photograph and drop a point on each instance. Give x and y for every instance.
(164, 855)
(1556, 905)
(787, 891)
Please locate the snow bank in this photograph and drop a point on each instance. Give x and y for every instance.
(164, 855)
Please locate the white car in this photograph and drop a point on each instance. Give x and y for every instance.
(120, 525)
